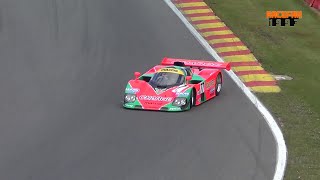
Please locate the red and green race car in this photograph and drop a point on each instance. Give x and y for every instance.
(175, 85)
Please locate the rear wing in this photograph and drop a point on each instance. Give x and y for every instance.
(196, 63)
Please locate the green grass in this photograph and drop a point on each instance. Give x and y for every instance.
(293, 51)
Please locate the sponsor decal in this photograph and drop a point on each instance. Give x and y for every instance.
(153, 103)
(132, 90)
(174, 109)
(182, 93)
(197, 63)
(172, 70)
(155, 98)
(209, 84)
(205, 85)
(129, 105)
(212, 90)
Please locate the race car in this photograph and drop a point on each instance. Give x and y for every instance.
(175, 85)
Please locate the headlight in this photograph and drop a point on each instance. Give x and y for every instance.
(129, 98)
(180, 101)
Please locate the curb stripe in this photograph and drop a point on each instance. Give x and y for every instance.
(228, 44)
(200, 18)
(223, 28)
(248, 63)
(197, 11)
(214, 37)
(247, 68)
(207, 21)
(206, 34)
(200, 14)
(231, 49)
(223, 39)
(240, 58)
(232, 53)
(266, 89)
(187, 1)
(260, 83)
(215, 41)
(257, 77)
(194, 8)
(241, 73)
(210, 25)
(191, 4)
(214, 29)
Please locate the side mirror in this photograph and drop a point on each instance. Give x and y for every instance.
(188, 78)
(137, 75)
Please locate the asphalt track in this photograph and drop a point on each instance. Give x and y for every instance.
(63, 67)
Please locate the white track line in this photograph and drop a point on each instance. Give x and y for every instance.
(281, 146)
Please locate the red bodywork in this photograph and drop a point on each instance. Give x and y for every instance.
(207, 70)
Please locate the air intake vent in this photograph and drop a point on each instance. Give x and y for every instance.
(177, 63)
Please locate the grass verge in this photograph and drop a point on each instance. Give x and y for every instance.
(293, 51)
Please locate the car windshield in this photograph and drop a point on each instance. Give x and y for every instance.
(167, 79)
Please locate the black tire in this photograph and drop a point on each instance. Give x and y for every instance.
(192, 99)
(218, 84)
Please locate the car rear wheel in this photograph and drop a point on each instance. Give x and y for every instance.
(218, 84)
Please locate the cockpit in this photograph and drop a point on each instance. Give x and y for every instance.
(168, 77)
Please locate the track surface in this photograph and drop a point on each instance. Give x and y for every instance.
(63, 67)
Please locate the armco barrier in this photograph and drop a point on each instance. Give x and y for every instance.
(314, 3)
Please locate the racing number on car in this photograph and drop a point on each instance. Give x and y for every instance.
(201, 88)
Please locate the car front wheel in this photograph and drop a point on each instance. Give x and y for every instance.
(192, 99)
